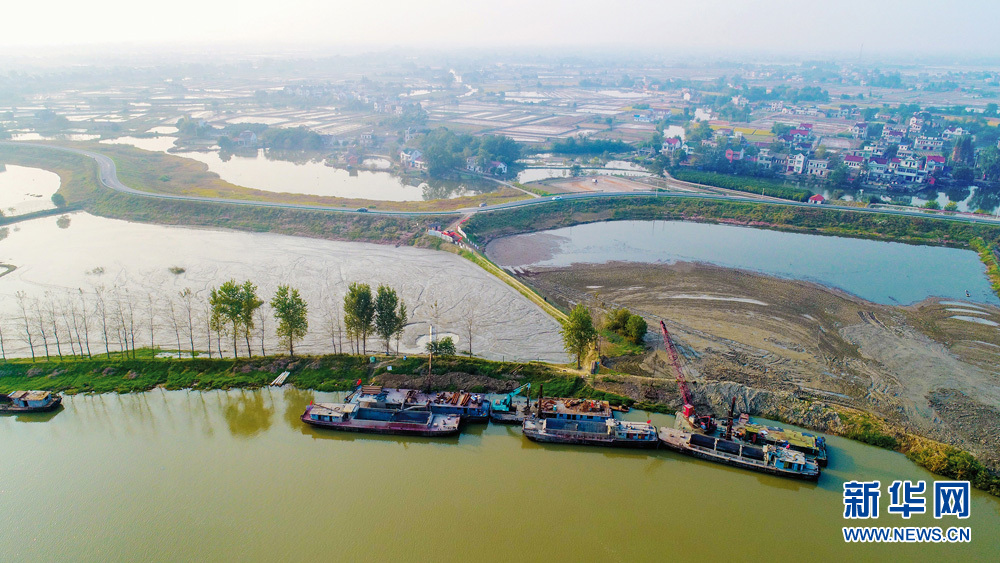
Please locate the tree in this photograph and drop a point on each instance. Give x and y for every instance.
(932, 204)
(386, 304)
(226, 304)
(839, 176)
(578, 332)
(22, 303)
(291, 312)
(58, 200)
(359, 314)
(443, 347)
(951, 206)
(249, 305)
(635, 329)
(188, 297)
(401, 320)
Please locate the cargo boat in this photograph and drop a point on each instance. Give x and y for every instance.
(29, 401)
(741, 429)
(472, 407)
(351, 417)
(783, 462)
(607, 432)
(508, 408)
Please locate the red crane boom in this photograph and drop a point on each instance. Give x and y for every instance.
(706, 422)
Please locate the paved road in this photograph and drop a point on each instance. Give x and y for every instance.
(109, 177)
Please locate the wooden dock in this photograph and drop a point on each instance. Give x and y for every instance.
(280, 380)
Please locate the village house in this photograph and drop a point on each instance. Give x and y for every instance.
(933, 163)
(818, 167)
(877, 166)
(670, 145)
(796, 163)
(931, 144)
(472, 165)
(953, 132)
(498, 167)
(817, 199)
(407, 157)
(854, 162)
(247, 139)
(860, 130)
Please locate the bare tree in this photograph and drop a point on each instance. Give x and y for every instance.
(188, 298)
(36, 308)
(3, 349)
(151, 317)
(120, 325)
(85, 322)
(262, 318)
(73, 323)
(208, 328)
(67, 325)
(23, 304)
(101, 306)
(130, 308)
(175, 322)
(334, 327)
(471, 322)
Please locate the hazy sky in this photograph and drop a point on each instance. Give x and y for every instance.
(884, 26)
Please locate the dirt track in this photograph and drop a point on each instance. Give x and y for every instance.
(914, 366)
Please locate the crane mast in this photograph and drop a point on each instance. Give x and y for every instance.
(706, 422)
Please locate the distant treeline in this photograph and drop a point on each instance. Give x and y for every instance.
(583, 145)
(742, 184)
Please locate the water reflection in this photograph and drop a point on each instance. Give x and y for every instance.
(37, 416)
(247, 413)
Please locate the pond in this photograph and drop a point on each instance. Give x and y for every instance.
(54, 260)
(191, 476)
(24, 190)
(160, 143)
(883, 272)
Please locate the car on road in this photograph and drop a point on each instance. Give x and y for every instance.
(557, 198)
(362, 210)
(483, 204)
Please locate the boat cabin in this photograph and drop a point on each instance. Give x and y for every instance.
(28, 399)
(798, 441)
(332, 412)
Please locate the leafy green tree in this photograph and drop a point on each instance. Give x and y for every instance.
(636, 329)
(58, 200)
(952, 206)
(932, 204)
(839, 176)
(291, 312)
(359, 314)
(578, 332)
(443, 347)
(226, 304)
(386, 314)
(250, 302)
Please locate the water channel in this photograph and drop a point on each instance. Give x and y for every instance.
(882, 272)
(235, 475)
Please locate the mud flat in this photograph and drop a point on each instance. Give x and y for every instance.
(55, 259)
(915, 365)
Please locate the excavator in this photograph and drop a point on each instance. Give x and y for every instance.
(502, 409)
(705, 423)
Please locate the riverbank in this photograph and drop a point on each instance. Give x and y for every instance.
(82, 190)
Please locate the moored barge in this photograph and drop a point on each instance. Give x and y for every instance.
(607, 432)
(783, 462)
(351, 417)
(472, 407)
(29, 401)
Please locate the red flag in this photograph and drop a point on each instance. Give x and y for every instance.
(649, 421)
(359, 382)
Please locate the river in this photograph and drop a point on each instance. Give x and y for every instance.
(883, 272)
(235, 475)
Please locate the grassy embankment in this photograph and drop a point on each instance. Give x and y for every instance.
(936, 457)
(165, 173)
(81, 188)
(742, 184)
(484, 227)
(322, 373)
(989, 259)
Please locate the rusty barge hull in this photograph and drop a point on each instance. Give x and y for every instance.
(392, 429)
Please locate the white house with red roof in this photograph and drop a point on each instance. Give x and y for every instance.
(817, 199)
(854, 162)
(934, 162)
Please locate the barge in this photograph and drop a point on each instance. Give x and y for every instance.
(607, 432)
(471, 407)
(782, 462)
(351, 417)
(29, 401)
(741, 429)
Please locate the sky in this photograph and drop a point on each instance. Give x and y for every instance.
(897, 27)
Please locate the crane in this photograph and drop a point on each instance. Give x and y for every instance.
(706, 423)
(504, 403)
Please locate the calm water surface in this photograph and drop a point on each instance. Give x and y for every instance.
(236, 476)
(24, 189)
(883, 272)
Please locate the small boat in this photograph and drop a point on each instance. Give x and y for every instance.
(783, 462)
(607, 432)
(29, 401)
(351, 417)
